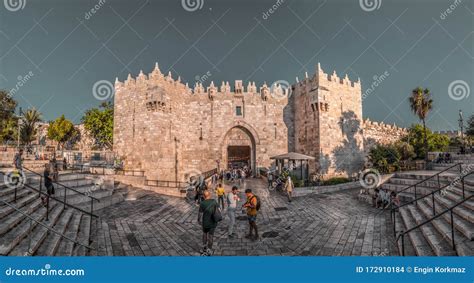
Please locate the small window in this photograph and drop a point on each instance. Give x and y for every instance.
(238, 110)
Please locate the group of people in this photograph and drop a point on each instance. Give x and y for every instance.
(444, 158)
(210, 215)
(383, 198)
(236, 174)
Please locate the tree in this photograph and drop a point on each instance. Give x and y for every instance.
(415, 137)
(421, 104)
(470, 127)
(61, 130)
(8, 120)
(99, 123)
(28, 129)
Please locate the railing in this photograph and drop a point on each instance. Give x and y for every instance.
(431, 177)
(178, 184)
(450, 209)
(432, 194)
(124, 172)
(45, 226)
(64, 201)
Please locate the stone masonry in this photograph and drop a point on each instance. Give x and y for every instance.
(170, 131)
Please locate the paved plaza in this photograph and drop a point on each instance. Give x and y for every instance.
(324, 224)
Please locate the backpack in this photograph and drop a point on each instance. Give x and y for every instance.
(216, 214)
(258, 202)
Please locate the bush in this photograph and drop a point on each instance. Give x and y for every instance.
(385, 158)
(436, 142)
(335, 181)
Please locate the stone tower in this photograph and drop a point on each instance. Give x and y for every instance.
(328, 122)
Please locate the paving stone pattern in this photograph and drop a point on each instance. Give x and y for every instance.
(324, 224)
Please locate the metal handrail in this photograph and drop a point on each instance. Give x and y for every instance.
(178, 184)
(45, 226)
(430, 177)
(62, 185)
(403, 233)
(58, 200)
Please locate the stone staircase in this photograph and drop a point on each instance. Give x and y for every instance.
(435, 237)
(21, 236)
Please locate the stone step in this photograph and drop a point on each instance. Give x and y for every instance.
(68, 183)
(462, 210)
(14, 217)
(30, 244)
(21, 230)
(400, 226)
(430, 234)
(8, 194)
(66, 246)
(82, 236)
(51, 244)
(444, 229)
(418, 241)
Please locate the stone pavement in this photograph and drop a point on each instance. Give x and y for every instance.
(324, 224)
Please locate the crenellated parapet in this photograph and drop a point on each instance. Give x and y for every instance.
(381, 133)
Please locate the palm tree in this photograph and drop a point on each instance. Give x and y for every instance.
(421, 104)
(28, 127)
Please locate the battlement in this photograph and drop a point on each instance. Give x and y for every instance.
(382, 127)
(157, 78)
(322, 78)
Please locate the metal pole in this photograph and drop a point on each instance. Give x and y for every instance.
(394, 223)
(403, 244)
(462, 182)
(452, 230)
(47, 208)
(434, 209)
(40, 186)
(416, 202)
(90, 223)
(439, 185)
(65, 196)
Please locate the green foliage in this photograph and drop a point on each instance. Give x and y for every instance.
(99, 123)
(406, 150)
(385, 158)
(421, 104)
(8, 121)
(61, 130)
(335, 181)
(28, 129)
(436, 142)
(470, 126)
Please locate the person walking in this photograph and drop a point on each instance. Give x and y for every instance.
(54, 168)
(232, 200)
(270, 180)
(251, 206)
(48, 184)
(206, 219)
(220, 192)
(18, 164)
(289, 186)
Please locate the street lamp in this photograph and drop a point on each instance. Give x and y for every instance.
(461, 126)
(20, 113)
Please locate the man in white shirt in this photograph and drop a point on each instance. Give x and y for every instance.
(232, 199)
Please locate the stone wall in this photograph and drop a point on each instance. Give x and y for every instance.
(380, 133)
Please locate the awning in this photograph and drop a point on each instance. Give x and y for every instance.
(292, 156)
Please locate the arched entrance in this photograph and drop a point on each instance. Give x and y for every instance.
(238, 149)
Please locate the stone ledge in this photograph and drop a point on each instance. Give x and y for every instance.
(302, 191)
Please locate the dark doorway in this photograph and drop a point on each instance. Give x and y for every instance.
(238, 156)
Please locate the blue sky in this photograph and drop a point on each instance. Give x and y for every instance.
(68, 48)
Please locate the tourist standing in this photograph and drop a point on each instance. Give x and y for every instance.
(54, 168)
(220, 192)
(232, 200)
(289, 186)
(18, 164)
(209, 224)
(251, 206)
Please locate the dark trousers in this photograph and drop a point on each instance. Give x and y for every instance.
(220, 200)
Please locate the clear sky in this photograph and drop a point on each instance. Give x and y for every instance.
(67, 48)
